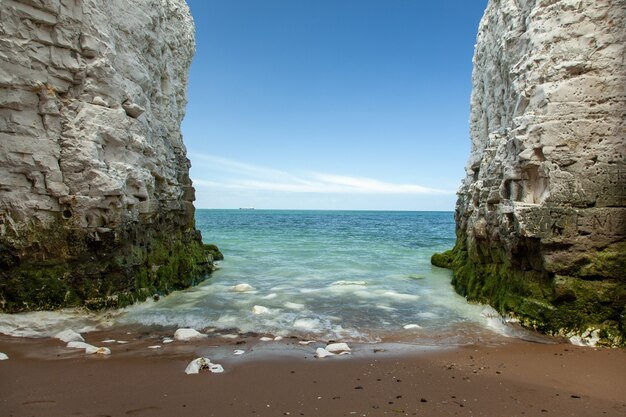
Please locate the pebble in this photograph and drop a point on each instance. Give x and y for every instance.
(188, 334)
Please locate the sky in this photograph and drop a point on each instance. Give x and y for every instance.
(330, 104)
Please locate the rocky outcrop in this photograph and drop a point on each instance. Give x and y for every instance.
(95, 198)
(541, 215)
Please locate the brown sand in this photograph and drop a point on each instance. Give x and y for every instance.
(43, 378)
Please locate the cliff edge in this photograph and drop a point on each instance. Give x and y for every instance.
(95, 198)
(541, 215)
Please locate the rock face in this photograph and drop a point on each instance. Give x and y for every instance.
(95, 198)
(541, 215)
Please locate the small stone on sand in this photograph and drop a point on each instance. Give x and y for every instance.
(188, 334)
(197, 364)
(322, 353)
(412, 326)
(3, 356)
(338, 347)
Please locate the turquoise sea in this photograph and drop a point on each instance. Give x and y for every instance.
(351, 275)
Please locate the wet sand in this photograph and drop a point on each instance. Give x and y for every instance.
(43, 378)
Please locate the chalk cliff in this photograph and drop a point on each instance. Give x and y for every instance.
(95, 198)
(541, 215)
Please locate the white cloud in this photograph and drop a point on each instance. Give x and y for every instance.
(243, 176)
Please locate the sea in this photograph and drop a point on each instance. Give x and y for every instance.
(359, 276)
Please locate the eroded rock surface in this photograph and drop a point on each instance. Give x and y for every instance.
(541, 215)
(95, 198)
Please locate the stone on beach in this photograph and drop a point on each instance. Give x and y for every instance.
(98, 350)
(411, 326)
(168, 340)
(185, 335)
(322, 353)
(198, 364)
(260, 310)
(242, 288)
(338, 348)
(3, 356)
(266, 339)
(69, 335)
(89, 349)
(155, 347)
(239, 352)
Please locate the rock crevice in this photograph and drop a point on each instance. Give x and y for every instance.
(541, 214)
(96, 205)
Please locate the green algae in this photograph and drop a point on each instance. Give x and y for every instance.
(541, 300)
(61, 266)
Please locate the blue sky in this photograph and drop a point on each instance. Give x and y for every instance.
(330, 104)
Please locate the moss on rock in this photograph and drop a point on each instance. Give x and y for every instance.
(65, 267)
(549, 303)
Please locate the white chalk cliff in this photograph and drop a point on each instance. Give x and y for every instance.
(95, 198)
(541, 215)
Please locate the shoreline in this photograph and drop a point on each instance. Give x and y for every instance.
(41, 378)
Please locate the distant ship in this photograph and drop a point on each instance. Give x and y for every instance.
(246, 208)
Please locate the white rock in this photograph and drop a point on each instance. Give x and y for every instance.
(242, 288)
(122, 342)
(260, 310)
(322, 353)
(411, 326)
(306, 342)
(216, 368)
(278, 338)
(3, 356)
(338, 347)
(294, 306)
(69, 335)
(185, 335)
(167, 340)
(108, 341)
(266, 339)
(98, 350)
(577, 341)
(155, 347)
(239, 352)
(588, 338)
(90, 349)
(198, 364)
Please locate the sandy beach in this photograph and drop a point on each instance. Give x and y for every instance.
(44, 378)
